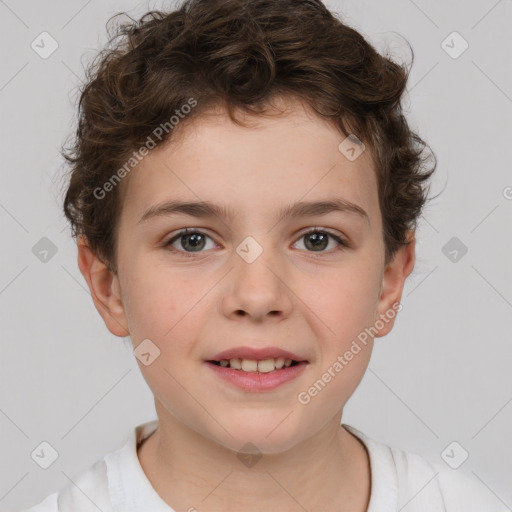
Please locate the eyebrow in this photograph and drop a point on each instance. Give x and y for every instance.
(205, 209)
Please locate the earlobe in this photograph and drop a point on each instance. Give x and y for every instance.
(393, 281)
(104, 287)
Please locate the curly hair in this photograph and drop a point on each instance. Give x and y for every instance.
(238, 54)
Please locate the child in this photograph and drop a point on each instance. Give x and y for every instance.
(273, 133)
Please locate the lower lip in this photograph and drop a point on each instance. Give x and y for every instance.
(251, 381)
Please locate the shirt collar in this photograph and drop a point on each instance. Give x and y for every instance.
(129, 487)
(384, 478)
(131, 491)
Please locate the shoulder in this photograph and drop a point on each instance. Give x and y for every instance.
(408, 482)
(49, 504)
(88, 493)
(420, 479)
(107, 485)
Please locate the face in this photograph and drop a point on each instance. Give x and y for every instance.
(308, 283)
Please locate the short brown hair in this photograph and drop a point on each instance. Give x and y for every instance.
(239, 54)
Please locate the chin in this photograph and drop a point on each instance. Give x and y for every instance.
(260, 434)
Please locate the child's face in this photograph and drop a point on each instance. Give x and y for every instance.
(193, 305)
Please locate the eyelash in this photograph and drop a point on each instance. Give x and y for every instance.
(188, 231)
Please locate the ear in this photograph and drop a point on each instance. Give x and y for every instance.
(393, 281)
(104, 287)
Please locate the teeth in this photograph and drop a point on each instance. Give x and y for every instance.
(236, 364)
(251, 365)
(266, 365)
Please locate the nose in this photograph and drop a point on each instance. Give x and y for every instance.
(258, 289)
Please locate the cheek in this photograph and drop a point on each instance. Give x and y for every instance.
(170, 385)
(169, 313)
(344, 301)
(157, 303)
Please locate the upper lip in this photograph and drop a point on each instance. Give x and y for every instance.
(256, 353)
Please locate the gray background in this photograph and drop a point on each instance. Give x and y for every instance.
(442, 375)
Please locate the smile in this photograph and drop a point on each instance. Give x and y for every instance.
(253, 365)
(257, 375)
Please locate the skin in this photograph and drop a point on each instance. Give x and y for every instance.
(313, 303)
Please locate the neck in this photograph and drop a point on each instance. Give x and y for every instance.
(329, 471)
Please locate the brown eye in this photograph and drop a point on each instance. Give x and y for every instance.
(317, 240)
(189, 241)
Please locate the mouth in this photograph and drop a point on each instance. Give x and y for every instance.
(257, 369)
(257, 375)
(267, 365)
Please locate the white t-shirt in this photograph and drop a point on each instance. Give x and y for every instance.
(400, 481)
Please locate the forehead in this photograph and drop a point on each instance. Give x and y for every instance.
(275, 160)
